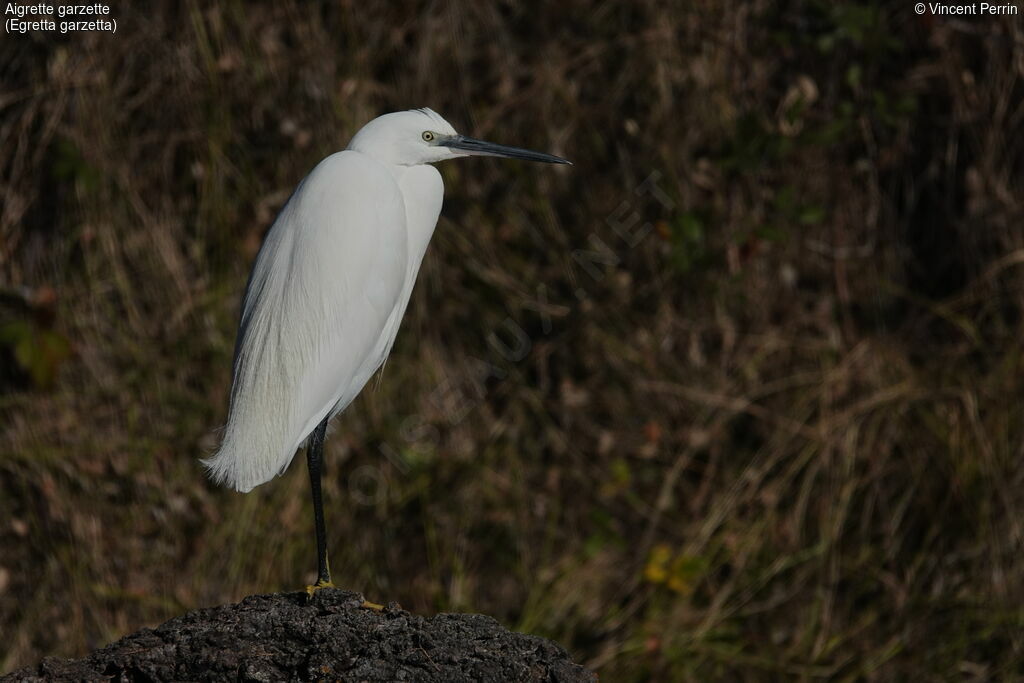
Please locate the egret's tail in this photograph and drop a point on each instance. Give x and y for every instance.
(222, 468)
(244, 463)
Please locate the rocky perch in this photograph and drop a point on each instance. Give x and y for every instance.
(288, 636)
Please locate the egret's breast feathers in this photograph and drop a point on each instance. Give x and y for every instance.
(423, 192)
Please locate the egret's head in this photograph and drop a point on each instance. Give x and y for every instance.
(421, 136)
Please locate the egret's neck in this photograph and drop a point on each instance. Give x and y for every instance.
(423, 192)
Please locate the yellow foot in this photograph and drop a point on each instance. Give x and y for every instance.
(317, 586)
(371, 605)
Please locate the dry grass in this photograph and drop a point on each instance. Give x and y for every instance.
(778, 436)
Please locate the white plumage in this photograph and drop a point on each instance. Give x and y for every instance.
(323, 305)
(330, 286)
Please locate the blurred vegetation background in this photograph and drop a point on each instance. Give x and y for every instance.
(736, 397)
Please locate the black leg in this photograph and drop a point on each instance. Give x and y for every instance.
(314, 458)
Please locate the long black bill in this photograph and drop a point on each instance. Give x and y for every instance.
(475, 147)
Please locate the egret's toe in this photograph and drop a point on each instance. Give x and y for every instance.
(317, 586)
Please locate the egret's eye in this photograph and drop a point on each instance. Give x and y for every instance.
(428, 136)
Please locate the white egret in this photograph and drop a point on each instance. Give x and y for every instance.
(327, 294)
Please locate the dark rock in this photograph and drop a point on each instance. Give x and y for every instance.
(287, 636)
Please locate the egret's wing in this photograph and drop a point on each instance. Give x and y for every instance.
(327, 279)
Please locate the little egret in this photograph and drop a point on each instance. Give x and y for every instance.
(327, 294)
